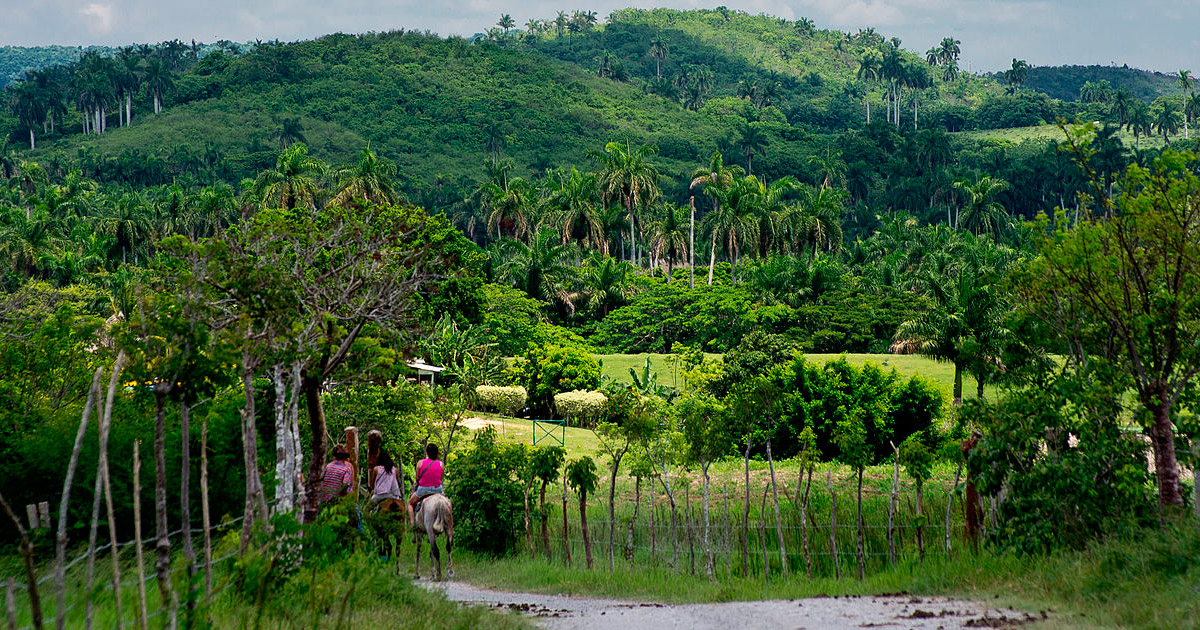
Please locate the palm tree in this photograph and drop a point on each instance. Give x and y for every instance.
(1140, 123)
(572, 205)
(711, 178)
(507, 202)
(949, 50)
(658, 52)
(606, 283)
(868, 71)
(891, 71)
(933, 57)
(157, 77)
(543, 269)
(1185, 81)
(560, 23)
(831, 169)
(1167, 120)
(370, 179)
(1123, 103)
(293, 183)
(27, 103)
(669, 236)
(291, 132)
(1191, 111)
(212, 209)
(628, 176)
(507, 23)
(981, 213)
(751, 140)
(735, 220)
(129, 225)
(128, 79)
(1016, 75)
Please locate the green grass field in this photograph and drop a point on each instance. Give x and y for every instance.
(1052, 132)
(617, 366)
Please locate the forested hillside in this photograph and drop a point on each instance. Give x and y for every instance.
(16, 60)
(1065, 82)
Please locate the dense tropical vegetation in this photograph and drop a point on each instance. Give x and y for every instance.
(258, 240)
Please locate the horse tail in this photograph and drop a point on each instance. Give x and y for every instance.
(439, 523)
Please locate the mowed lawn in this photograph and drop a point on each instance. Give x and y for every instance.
(616, 367)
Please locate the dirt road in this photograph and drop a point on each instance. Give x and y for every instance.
(557, 612)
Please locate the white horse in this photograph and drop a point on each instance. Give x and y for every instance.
(436, 516)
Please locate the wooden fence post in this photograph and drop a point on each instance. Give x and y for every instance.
(374, 446)
(35, 601)
(762, 533)
(205, 516)
(105, 416)
(727, 533)
(837, 573)
(687, 523)
(653, 533)
(44, 513)
(950, 504)
(891, 533)
(10, 603)
(32, 515)
(804, 517)
(90, 571)
(137, 534)
(566, 530)
(351, 438)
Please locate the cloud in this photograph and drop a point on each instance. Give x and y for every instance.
(101, 15)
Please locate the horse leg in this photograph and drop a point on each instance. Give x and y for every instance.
(417, 571)
(450, 552)
(435, 558)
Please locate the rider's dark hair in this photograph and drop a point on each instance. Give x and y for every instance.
(431, 451)
(385, 460)
(340, 453)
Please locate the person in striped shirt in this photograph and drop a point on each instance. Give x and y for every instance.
(338, 479)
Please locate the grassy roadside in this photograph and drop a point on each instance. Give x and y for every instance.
(1146, 579)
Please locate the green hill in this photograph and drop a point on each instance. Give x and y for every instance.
(16, 60)
(1064, 82)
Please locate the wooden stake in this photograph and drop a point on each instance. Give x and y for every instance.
(137, 534)
(728, 533)
(90, 570)
(892, 504)
(32, 515)
(950, 504)
(565, 530)
(762, 533)
(185, 506)
(687, 523)
(10, 603)
(837, 573)
(804, 518)
(783, 563)
(653, 533)
(105, 423)
(35, 602)
(205, 516)
(60, 545)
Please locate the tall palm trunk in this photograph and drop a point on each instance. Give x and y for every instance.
(712, 258)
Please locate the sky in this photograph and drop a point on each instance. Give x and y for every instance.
(1151, 34)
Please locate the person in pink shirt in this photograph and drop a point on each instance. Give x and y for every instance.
(429, 480)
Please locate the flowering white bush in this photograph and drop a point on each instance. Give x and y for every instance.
(580, 405)
(506, 400)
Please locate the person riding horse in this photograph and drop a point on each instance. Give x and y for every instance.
(428, 480)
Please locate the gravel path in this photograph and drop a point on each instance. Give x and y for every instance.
(557, 612)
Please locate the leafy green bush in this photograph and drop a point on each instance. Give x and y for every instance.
(580, 405)
(506, 400)
(549, 370)
(487, 496)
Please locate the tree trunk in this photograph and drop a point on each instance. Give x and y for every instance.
(316, 419)
(920, 527)
(653, 531)
(837, 572)
(31, 584)
(783, 563)
(950, 504)
(712, 258)
(727, 531)
(958, 383)
(612, 523)
(285, 478)
(128, 108)
(205, 516)
(137, 535)
(60, 546)
(583, 526)
(687, 525)
(545, 519)
(708, 556)
(859, 548)
(162, 545)
(867, 100)
(566, 531)
(762, 533)
(528, 531)
(746, 515)
(804, 518)
(637, 502)
(1166, 467)
(256, 506)
(185, 506)
(32, 140)
(105, 416)
(892, 504)
(692, 244)
(90, 570)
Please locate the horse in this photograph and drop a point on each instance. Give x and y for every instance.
(435, 516)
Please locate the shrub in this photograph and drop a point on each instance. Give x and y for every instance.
(549, 370)
(488, 498)
(505, 400)
(580, 405)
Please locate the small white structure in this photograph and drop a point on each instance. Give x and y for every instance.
(424, 369)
